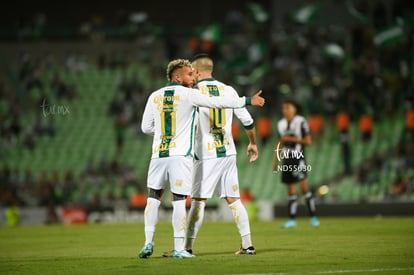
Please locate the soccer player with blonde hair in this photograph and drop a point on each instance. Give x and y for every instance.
(215, 165)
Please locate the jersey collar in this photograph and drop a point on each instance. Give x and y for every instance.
(173, 84)
(206, 79)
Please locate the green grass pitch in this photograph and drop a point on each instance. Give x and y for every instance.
(340, 246)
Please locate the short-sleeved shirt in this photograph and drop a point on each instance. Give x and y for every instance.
(293, 154)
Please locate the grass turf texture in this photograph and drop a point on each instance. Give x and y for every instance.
(340, 245)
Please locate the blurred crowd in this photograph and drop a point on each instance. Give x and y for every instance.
(31, 92)
(100, 186)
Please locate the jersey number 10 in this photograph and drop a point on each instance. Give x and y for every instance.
(217, 118)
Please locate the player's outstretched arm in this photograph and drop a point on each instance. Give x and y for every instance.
(257, 100)
(202, 100)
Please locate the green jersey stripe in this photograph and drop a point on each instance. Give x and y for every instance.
(218, 121)
(167, 122)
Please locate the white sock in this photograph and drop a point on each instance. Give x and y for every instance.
(179, 223)
(310, 202)
(151, 219)
(195, 220)
(242, 220)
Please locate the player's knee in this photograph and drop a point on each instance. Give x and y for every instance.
(231, 200)
(199, 199)
(178, 197)
(155, 194)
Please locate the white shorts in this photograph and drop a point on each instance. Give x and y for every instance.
(176, 170)
(217, 174)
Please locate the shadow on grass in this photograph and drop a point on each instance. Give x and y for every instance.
(224, 253)
(258, 252)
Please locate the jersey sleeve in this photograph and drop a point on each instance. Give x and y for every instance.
(245, 118)
(304, 128)
(148, 121)
(198, 99)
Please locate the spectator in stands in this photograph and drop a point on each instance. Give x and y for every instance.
(4, 179)
(29, 140)
(116, 106)
(366, 125)
(171, 44)
(330, 96)
(61, 89)
(69, 187)
(57, 186)
(47, 198)
(102, 61)
(28, 192)
(103, 166)
(25, 66)
(50, 128)
(409, 122)
(342, 124)
(264, 128)
(369, 171)
(8, 141)
(8, 187)
(114, 167)
(89, 168)
(120, 128)
(95, 203)
(15, 127)
(315, 126)
(75, 62)
(399, 186)
(35, 79)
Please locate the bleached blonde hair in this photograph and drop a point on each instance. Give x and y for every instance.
(175, 65)
(203, 63)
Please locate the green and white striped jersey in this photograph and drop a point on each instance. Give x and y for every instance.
(170, 116)
(213, 136)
